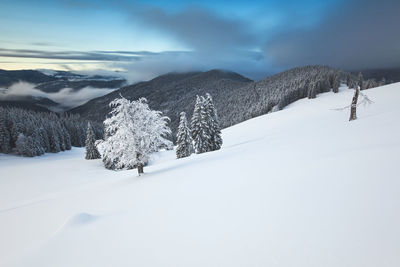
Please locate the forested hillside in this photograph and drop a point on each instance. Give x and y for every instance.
(236, 97)
(30, 133)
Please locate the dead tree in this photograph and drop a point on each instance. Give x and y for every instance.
(353, 109)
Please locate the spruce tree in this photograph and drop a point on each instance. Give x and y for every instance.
(212, 119)
(382, 82)
(5, 145)
(348, 80)
(53, 138)
(312, 90)
(200, 127)
(336, 83)
(361, 81)
(91, 150)
(27, 146)
(184, 138)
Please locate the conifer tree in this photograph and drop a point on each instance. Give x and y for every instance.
(336, 83)
(312, 90)
(212, 119)
(91, 149)
(361, 82)
(184, 138)
(28, 146)
(200, 127)
(382, 82)
(5, 145)
(54, 139)
(348, 80)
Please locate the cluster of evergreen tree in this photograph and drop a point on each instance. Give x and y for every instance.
(30, 133)
(205, 132)
(277, 91)
(354, 81)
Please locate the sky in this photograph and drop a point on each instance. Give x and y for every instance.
(143, 39)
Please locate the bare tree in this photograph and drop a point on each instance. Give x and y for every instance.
(353, 109)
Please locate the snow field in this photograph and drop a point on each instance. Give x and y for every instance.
(298, 187)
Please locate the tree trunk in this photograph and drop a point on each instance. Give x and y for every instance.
(140, 169)
(353, 110)
(139, 165)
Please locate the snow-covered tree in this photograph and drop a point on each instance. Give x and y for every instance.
(184, 138)
(336, 83)
(132, 133)
(42, 131)
(382, 82)
(360, 81)
(91, 149)
(200, 127)
(348, 80)
(5, 141)
(28, 146)
(312, 90)
(212, 120)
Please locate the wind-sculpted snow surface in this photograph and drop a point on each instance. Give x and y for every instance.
(298, 187)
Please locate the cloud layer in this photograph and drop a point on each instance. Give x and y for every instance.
(356, 35)
(352, 34)
(67, 97)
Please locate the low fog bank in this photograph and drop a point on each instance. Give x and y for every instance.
(66, 97)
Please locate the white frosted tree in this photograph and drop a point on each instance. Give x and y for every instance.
(200, 126)
(212, 120)
(184, 138)
(132, 133)
(91, 149)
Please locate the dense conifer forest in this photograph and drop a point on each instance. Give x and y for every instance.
(31, 133)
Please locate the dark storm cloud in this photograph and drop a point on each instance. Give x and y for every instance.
(357, 34)
(274, 36)
(200, 29)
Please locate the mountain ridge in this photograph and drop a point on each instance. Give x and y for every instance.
(236, 97)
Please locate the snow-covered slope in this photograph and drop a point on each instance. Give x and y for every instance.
(299, 187)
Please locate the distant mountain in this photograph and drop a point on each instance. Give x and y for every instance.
(8, 77)
(56, 86)
(48, 81)
(66, 79)
(31, 103)
(171, 93)
(236, 98)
